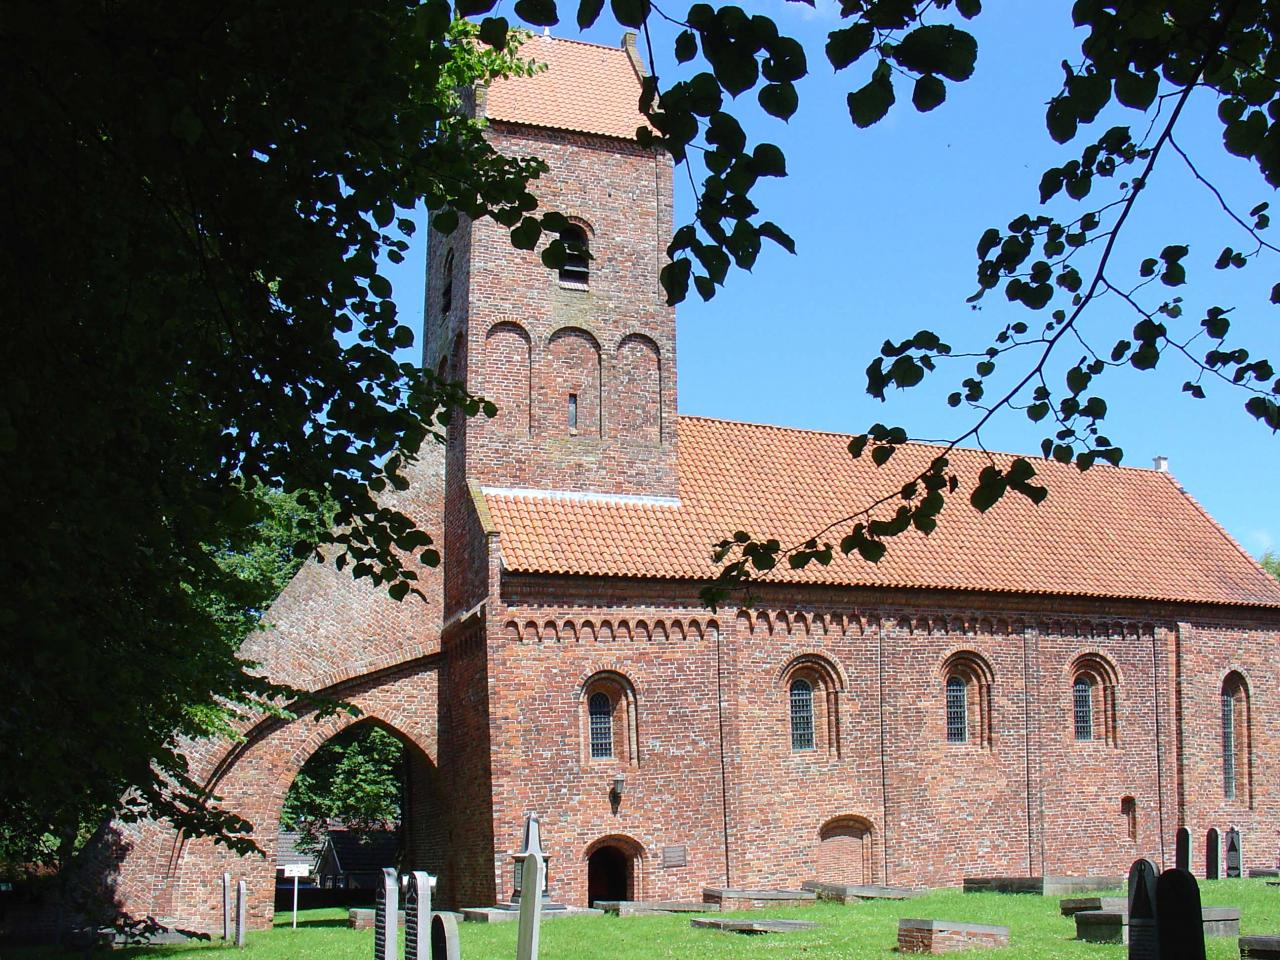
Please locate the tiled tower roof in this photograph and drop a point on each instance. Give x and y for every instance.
(1108, 532)
(585, 88)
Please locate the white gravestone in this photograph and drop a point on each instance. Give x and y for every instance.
(531, 878)
(242, 908)
(386, 917)
(417, 916)
(226, 908)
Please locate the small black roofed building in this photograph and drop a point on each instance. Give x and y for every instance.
(353, 860)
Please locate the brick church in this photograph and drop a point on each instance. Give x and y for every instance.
(1050, 690)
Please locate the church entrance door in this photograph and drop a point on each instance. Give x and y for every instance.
(608, 874)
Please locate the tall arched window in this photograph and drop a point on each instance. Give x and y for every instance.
(446, 285)
(957, 710)
(600, 712)
(576, 271)
(1235, 737)
(801, 714)
(1082, 700)
(968, 698)
(1093, 699)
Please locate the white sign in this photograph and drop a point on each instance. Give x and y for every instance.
(296, 869)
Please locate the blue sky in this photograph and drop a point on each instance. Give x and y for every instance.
(886, 221)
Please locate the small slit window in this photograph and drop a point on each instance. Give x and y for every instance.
(600, 713)
(446, 285)
(1082, 699)
(957, 710)
(573, 412)
(576, 271)
(801, 714)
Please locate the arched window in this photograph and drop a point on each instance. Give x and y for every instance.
(607, 715)
(1093, 699)
(801, 714)
(968, 680)
(1129, 810)
(957, 710)
(1235, 737)
(1082, 699)
(576, 271)
(600, 711)
(811, 687)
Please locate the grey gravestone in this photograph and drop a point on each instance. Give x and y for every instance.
(1144, 938)
(1233, 852)
(1182, 856)
(444, 937)
(1181, 923)
(531, 879)
(417, 916)
(1212, 856)
(226, 908)
(386, 916)
(242, 908)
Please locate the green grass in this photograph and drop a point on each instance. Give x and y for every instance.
(864, 930)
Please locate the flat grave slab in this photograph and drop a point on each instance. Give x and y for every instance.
(1103, 926)
(361, 918)
(752, 926)
(730, 898)
(649, 908)
(947, 936)
(1045, 886)
(1221, 921)
(1073, 905)
(1260, 948)
(847, 892)
(504, 915)
(1264, 872)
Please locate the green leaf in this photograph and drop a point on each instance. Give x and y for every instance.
(928, 93)
(526, 234)
(686, 47)
(848, 44)
(1060, 118)
(493, 31)
(769, 160)
(1137, 90)
(540, 13)
(589, 12)
(869, 104)
(938, 48)
(775, 233)
(630, 13)
(779, 99)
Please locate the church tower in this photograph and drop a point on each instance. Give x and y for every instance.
(581, 360)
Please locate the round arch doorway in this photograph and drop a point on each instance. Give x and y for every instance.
(613, 870)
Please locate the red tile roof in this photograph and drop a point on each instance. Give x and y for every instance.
(585, 88)
(1109, 532)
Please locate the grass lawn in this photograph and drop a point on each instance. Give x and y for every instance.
(864, 930)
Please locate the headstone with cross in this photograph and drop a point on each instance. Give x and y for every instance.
(1180, 921)
(417, 915)
(386, 915)
(226, 908)
(1144, 940)
(242, 908)
(532, 872)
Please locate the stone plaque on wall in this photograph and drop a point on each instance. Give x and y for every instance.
(675, 856)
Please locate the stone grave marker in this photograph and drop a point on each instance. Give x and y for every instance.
(531, 880)
(444, 937)
(1212, 856)
(386, 916)
(226, 908)
(1180, 923)
(1144, 938)
(1182, 854)
(417, 916)
(1233, 853)
(242, 908)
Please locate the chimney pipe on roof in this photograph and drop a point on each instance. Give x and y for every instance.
(1162, 464)
(629, 45)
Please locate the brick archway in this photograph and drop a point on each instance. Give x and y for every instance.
(846, 851)
(178, 880)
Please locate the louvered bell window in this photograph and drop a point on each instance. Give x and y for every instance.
(801, 715)
(600, 714)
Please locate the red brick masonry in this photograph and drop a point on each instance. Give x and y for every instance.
(946, 936)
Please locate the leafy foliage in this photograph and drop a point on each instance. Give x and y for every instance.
(356, 778)
(1271, 563)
